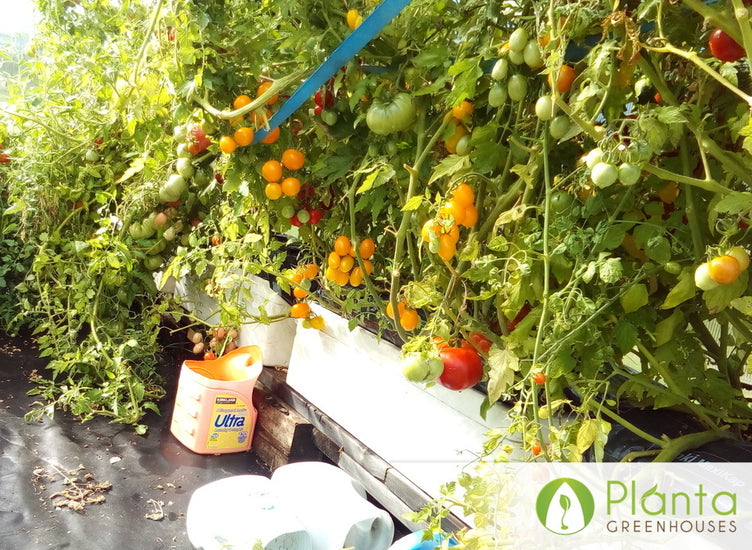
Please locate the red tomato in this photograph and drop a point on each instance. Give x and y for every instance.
(723, 47)
(462, 368)
(481, 341)
(315, 215)
(539, 378)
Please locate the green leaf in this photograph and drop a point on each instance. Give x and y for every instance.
(634, 298)
(658, 249)
(449, 166)
(136, 166)
(743, 305)
(593, 432)
(613, 237)
(720, 297)
(735, 203)
(682, 291)
(413, 203)
(502, 365)
(664, 330)
(625, 335)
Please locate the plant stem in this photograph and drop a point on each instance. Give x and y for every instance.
(674, 447)
(257, 103)
(399, 244)
(631, 427)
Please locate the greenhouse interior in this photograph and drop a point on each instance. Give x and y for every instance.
(375, 274)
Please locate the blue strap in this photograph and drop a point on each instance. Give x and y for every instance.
(350, 46)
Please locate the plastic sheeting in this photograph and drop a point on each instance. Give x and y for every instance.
(152, 477)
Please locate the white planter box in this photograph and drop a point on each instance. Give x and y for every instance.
(429, 435)
(275, 339)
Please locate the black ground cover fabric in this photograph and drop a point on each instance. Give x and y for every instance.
(123, 491)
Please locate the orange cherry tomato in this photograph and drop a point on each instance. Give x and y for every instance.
(724, 269)
(241, 101)
(342, 245)
(291, 186)
(564, 79)
(292, 159)
(272, 170)
(301, 310)
(463, 195)
(227, 144)
(243, 136)
(272, 136)
(366, 248)
(263, 87)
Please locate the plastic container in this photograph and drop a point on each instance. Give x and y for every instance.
(414, 541)
(237, 511)
(332, 507)
(213, 412)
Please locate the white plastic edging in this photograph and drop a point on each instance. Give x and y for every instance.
(429, 435)
(275, 339)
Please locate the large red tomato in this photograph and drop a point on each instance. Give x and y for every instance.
(463, 368)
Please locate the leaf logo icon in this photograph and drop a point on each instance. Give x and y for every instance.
(565, 506)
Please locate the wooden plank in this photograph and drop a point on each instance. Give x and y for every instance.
(281, 434)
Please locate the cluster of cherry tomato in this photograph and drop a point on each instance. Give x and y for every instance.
(408, 318)
(443, 232)
(221, 340)
(244, 135)
(604, 173)
(273, 170)
(342, 265)
(723, 269)
(459, 139)
(302, 278)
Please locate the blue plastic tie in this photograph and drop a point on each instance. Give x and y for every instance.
(350, 46)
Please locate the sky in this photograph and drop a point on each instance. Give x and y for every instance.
(17, 16)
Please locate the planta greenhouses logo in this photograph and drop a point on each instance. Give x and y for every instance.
(565, 506)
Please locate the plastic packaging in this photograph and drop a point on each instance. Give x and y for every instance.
(237, 511)
(213, 412)
(332, 507)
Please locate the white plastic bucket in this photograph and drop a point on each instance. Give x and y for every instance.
(332, 507)
(237, 511)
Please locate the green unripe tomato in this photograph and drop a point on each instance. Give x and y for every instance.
(500, 69)
(629, 174)
(517, 87)
(604, 175)
(545, 108)
(518, 39)
(497, 95)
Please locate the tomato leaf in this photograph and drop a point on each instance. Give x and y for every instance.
(634, 298)
(682, 291)
(451, 165)
(625, 335)
(664, 330)
(593, 432)
(720, 297)
(502, 364)
(658, 249)
(413, 203)
(743, 305)
(735, 203)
